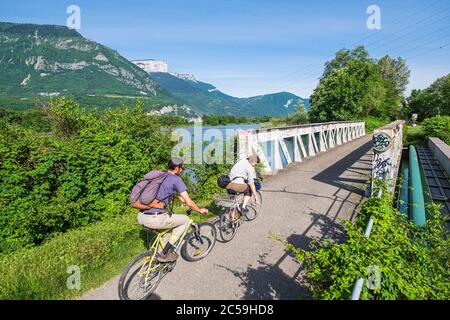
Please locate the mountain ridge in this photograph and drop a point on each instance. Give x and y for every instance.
(205, 98)
(45, 61)
(40, 59)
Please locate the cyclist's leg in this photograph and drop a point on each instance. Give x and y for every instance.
(237, 187)
(178, 223)
(154, 222)
(247, 196)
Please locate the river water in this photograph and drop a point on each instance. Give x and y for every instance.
(210, 133)
(200, 137)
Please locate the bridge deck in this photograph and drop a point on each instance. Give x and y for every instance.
(306, 201)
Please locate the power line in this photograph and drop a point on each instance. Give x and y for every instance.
(415, 23)
(408, 58)
(426, 43)
(371, 35)
(311, 73)
(403, 19)
(436, 49)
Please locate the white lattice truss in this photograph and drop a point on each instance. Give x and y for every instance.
(308, 140)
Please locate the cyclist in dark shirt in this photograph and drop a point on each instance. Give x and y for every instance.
(156, 218)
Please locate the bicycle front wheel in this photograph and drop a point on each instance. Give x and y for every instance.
(253, 209)
(140, 277)
(199, 243)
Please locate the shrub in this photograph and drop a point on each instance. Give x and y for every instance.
(373, 123)
(81, 173)
(413, 260)
(438, 126)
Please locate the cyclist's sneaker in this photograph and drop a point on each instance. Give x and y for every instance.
(170, 257)
(241, 209)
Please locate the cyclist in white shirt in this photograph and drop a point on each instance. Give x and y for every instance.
(242, 177)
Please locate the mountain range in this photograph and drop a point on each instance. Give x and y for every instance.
(42, 61)
(205, 98)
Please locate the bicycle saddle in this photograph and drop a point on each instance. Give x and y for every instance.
(232, 192)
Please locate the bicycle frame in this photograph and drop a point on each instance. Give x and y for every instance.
(159, 242)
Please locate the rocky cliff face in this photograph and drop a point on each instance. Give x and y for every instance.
(151, 65)
(184, 76)
(161, 66)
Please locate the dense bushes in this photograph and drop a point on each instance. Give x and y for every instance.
(412, 260)
(439, 127)
(80, 172)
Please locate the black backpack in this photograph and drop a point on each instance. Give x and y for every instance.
(223, 181)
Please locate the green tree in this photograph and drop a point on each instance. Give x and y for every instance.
(300, 115)
(395, 74)
(351, 92)
(354, 85)
(432, 101)
(343, 58)
(80, 173)
(396, 71)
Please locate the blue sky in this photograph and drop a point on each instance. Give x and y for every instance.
(252, 47)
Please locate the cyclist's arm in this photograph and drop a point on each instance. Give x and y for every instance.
(181, 199)
(191, 204)
(138, 205)
(253, 189)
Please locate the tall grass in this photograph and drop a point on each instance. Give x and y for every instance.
(100, 250)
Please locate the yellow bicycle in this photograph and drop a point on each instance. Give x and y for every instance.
(143, 274)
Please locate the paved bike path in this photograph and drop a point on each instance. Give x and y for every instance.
(306, 201)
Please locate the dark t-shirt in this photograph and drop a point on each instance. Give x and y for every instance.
(172, 184)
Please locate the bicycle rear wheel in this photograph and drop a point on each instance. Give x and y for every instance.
(199, 242)
(140, 278)
(227, 229)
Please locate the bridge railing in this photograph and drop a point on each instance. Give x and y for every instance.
(280, 146)
(387, 145)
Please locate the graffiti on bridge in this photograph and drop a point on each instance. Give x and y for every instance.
(381, 142)
(382, 166)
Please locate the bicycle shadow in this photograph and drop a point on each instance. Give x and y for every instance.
(154, 296)
(269, 281)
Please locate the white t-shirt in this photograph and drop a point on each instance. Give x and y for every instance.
(242, 170)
